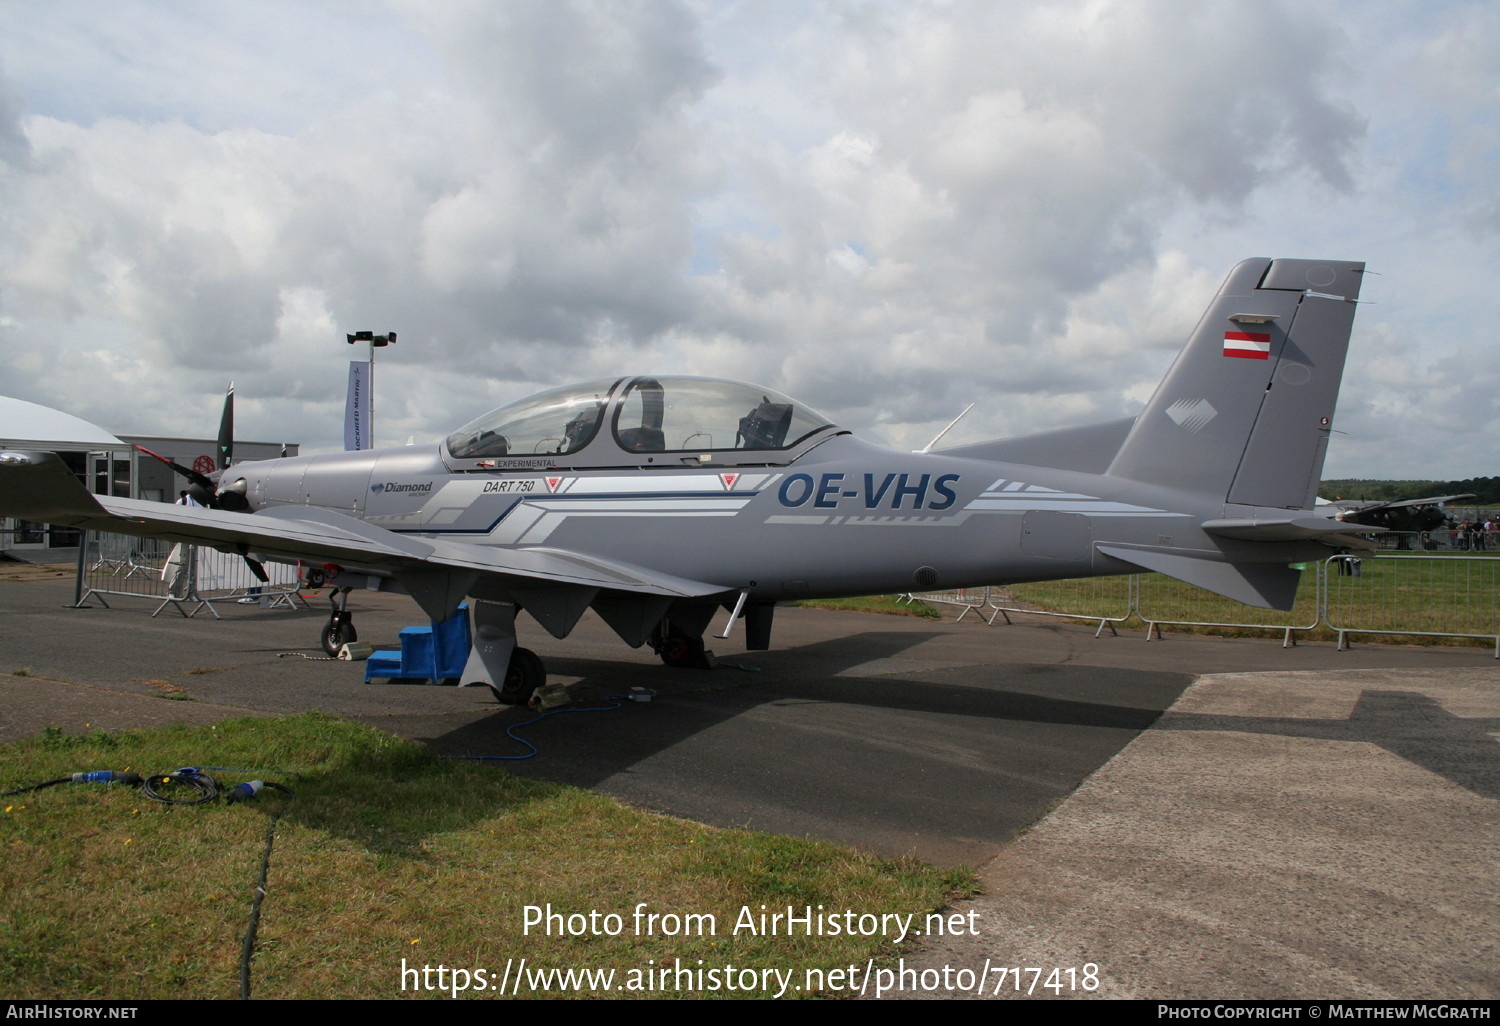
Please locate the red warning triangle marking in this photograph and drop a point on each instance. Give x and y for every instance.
(729, 480)
(553, 482)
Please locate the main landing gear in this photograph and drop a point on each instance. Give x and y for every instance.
(524, 675)
(679, 649)
(511, 673)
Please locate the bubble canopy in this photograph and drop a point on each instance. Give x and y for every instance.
(630, 418)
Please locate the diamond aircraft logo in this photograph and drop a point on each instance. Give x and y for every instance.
(1192, 415)
(395, 486)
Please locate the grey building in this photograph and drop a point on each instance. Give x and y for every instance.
(106, 464)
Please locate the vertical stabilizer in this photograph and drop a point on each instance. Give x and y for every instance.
(1245, 413)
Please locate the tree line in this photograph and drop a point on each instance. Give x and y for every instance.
(1485, 489)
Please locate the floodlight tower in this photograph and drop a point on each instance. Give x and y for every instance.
(376, 342)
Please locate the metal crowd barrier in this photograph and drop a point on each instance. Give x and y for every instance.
(971, 599)
(1167, 602)
(1453, 595)
(124, 567)
(119, 554)
(1441, 540)
(1109, 600)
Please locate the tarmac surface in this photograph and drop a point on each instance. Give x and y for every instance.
(1195, 817)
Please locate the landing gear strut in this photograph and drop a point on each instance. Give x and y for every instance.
(510, 673)
(340, 628)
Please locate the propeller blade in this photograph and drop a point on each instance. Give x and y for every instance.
(226, 430)
(192, 475)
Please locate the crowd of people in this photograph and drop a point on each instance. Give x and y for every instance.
(1471, 535)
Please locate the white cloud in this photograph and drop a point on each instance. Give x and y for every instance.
(890, 210)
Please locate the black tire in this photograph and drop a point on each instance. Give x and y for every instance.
(682, 652)
(337, 634)
(524, 675)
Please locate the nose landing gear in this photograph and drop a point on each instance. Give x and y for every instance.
(339, 630)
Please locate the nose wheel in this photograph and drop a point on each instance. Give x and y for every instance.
(339, 631)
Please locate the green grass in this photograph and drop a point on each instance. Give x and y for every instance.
(887, 604)
(387, 853)
(1446, 597)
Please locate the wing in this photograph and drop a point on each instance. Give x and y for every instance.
(1357, 506)
(38, 486)
(1431, 500)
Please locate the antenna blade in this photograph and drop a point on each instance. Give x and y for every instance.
(940, 434)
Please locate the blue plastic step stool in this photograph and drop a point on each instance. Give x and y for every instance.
(436, 652)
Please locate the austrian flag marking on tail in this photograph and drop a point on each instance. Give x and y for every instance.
(1247, 345)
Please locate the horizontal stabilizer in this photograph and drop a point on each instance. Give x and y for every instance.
(1281, 529)
(1268, 585)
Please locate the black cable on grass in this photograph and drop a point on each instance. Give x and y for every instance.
(247, 946)
(37, 787)
(158, 787)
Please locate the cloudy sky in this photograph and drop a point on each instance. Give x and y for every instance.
(889, 210)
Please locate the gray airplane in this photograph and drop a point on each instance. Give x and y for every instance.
(658, 501)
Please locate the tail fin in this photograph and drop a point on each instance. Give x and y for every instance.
(1245, 413)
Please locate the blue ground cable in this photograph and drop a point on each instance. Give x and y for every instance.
(510, 730)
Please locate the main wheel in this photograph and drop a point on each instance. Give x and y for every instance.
(524, 675)
(682, 652)
(338, 633)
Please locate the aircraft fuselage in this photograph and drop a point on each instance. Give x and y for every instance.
(845, 517)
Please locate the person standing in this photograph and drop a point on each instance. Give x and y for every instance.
(181, 569)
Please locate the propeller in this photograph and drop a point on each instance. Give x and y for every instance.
(204, 488)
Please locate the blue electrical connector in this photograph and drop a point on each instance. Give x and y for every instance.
(106, 777)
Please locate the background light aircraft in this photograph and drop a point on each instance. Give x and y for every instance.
(658, 501)
(1424, 514)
